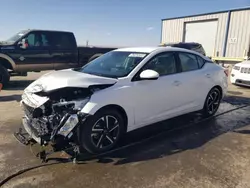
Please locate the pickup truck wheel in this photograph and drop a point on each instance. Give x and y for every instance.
(102, 131)
(4, 76)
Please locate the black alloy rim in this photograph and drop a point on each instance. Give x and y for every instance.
(105, 131)
(213, 101)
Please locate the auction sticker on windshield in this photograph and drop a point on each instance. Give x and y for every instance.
(137, 55)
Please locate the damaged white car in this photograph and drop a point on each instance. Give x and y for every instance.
(125, 89)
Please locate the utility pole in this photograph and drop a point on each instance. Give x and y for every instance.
(87, 43)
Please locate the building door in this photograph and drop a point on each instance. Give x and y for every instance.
(203, 32)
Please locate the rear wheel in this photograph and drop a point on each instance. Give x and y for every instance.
(101, 132)
(212, 102)
(4, 76)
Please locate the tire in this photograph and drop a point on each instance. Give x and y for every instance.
(212, 102)
(103, 138)
(4, 76)
(94, 57)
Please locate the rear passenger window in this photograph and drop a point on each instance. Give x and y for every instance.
(188, 62)
(201, 61)
(63, 40)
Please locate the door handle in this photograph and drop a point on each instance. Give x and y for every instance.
(208, 75)
(176, 83)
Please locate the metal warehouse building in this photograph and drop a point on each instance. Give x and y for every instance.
(225, 35)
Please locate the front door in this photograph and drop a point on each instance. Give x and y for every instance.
(36, 56)
(158, 99)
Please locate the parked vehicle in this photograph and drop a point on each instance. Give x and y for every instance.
(240, 74)
(188, 45)
(37, 50)
(123, 90)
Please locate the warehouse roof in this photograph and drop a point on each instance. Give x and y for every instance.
(235, 9)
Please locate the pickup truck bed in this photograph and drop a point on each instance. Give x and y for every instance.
(87, 54)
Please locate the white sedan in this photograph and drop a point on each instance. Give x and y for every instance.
(240, 74)
(123, 90)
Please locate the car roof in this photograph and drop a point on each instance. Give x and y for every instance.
(181, 43)
(41, 30)
(152, 49)
(138, 49)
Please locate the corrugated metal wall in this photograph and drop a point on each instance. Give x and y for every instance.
(172, 31)
(238, 34)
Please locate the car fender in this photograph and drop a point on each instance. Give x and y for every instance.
(115, 96)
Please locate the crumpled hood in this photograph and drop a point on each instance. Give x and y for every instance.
(68, 78)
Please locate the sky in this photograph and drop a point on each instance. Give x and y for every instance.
(103, 22)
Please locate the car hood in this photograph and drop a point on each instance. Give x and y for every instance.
(244, 63)
(6, 46)
(67, 78)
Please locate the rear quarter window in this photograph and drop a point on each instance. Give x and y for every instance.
(201, 61)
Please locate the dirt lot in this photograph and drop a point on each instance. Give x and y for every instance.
(212, 153)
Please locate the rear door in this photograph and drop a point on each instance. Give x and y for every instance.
(64, 50)
(195, 79)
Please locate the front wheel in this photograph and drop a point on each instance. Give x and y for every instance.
(4, 76)
(102, 131)
(212, 102)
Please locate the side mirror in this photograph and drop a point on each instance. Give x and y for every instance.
(22, 44)
(149, 75)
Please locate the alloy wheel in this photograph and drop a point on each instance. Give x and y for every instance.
(213, 101)
(105, 131)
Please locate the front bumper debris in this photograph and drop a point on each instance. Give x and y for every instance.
(23, 137)
(28, 129)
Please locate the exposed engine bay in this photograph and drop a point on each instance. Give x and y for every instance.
(53, 116)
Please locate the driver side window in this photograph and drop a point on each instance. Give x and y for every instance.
(37, 40)
(31, 39)
(164, 64)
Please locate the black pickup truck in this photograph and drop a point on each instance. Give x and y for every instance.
(37, 50)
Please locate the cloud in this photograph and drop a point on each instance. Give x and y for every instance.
(149, 28)
(108, 34)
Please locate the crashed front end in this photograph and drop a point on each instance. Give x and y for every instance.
(53, 117)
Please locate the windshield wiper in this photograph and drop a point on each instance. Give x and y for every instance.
(100, 74)
(105, 75)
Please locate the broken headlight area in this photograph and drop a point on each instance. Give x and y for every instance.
(55, 121)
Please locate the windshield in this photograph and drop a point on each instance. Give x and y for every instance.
(15, 37)
(114, 64)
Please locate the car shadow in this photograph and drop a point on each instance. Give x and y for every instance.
(17, 85)
(236, 100)
(176, 135)
(10, 98)
(247, 131)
